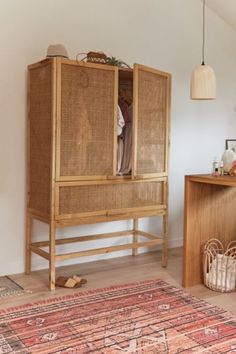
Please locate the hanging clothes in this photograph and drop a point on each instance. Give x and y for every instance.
(120, 122)
(120, 150)
(124, 109)
(127, 150)
(120, 143)
(124, 142)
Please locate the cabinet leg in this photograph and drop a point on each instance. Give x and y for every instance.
(28, 240)
(52, 249)
(135, 236)
(165, 241)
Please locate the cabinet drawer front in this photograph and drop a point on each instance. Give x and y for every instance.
(109, 199)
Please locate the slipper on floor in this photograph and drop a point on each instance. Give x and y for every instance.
(67, 282)
(80, 280)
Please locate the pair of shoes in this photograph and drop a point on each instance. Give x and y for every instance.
(70, 282)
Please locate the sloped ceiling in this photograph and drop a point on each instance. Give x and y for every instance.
(226, 9)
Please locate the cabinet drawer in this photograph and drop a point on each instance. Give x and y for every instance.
(108, 198)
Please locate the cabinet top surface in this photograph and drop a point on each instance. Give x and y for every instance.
(220, 180)
(94, 65)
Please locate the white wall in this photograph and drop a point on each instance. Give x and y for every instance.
(165, 34)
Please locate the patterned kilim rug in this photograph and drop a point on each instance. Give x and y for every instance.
(146, 317)
(10, 288)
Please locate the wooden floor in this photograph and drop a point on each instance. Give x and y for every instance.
(120, 270)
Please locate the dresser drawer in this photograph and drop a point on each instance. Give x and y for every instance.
(107, 197)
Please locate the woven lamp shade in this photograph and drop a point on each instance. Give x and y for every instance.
(203, 83)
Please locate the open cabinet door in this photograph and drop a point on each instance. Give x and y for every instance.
(151, 104)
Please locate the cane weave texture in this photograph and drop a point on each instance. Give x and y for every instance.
(91, 198)
(151, 132)
(87, 121)
(40, 130)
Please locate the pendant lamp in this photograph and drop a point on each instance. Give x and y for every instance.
(203, 80)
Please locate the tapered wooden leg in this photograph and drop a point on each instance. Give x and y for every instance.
(165, 241)
(52, 253)
(135, 236)
(28, 240)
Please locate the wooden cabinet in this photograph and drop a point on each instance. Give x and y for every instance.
(72, 152)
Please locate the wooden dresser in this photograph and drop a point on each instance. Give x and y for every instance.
(72, 154)
(209, 212)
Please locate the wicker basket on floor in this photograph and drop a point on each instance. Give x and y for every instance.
(219, 266)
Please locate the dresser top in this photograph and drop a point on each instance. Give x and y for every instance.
(208, 178)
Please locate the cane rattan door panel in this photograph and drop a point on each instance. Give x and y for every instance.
(107, 198)
(40, 109)
(151, 89)
(87, 114)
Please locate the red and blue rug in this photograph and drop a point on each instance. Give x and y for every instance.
(145, 317)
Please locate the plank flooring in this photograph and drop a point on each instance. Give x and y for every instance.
(116, 271)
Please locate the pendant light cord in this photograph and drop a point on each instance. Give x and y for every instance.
(203, 33)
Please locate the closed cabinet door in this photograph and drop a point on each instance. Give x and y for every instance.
(150, 122)
(86, 115)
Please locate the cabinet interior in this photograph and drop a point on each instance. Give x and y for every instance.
(125, 85)
(124, 140)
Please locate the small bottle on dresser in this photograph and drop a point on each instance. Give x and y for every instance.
(215, 168)
(221, 168)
